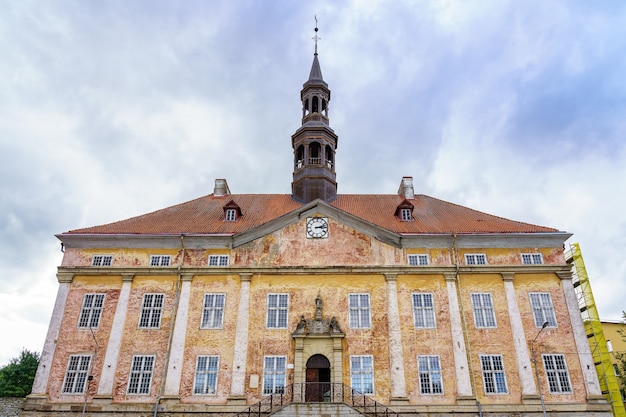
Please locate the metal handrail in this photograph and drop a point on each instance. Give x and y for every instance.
(327, 392)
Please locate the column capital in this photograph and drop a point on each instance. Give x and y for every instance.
(245, 277)
(128, 277)
(187, 277)
(564, 275)
(390, 276)
(450, 276)
(65, 277)
(507, 276)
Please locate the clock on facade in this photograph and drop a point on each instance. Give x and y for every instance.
(317, 227)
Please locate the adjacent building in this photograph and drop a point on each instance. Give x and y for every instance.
(420, 305)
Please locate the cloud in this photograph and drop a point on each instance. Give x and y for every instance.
(110, 110)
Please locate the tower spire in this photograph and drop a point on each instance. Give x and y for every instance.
(316, 38)
(314, 143)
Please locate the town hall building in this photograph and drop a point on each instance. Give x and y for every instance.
(397, 303)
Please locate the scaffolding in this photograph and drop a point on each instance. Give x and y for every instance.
(595, 334)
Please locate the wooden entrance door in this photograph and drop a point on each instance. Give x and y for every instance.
(317, 379)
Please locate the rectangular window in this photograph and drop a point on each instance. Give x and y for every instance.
(418, 260)
(362, 374)
(429, 370)
(277, 309)
(218, 260)
(205, 380)
(557, 374)
(493, 374)
(231, 215)
(76, 374)
(140, 375)
(406, 214)
(151, 311)
(91, 311)
(423, 310)
(532, 258)
(359, 306)
(484, 315)
(160, 260)
(543, 309)
(475, 259)
(102, 260)
(274, 370)
(213, 311)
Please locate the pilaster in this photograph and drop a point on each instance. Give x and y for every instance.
(396, 355)
(463, 382)
(237, 387)
(40, 384)
(107, 375)
(580, 337)
(177, 350)
(524, 366)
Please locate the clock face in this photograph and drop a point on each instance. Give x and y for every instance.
(317, 227)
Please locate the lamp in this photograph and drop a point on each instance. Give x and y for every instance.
(532, 351)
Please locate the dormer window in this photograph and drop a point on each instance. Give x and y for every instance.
(404, 211)
(232, 211)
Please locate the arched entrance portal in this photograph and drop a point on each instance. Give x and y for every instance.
(317, 379)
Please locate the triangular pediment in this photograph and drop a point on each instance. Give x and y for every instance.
(318, 208)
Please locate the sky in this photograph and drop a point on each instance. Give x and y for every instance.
(113, 109)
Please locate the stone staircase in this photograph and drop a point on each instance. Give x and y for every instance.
(317, 410)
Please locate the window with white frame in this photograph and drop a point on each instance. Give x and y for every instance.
(277, 309)
(102, 260)
(76, 374)
(429, 369)
(231, 215)
(274, 370)
(405, 215)
(160, 260)
(218, 260)
(213, 311)
(532, 258)
(151, 311)
(418, 260)
(494, 377)
(484, 314)
(91, 311)
(205, 380)
(475, 259)
(557, 374)
(359, 307)
(423, 310)
(543, 309)
(141, 374)
(362, 373)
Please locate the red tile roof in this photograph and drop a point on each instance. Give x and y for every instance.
(205, 215)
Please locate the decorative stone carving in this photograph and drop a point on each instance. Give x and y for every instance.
(317, 325)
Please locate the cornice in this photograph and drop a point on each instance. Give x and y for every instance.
(384, 271)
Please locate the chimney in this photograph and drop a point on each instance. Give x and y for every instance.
(221, 188)
(406, 188)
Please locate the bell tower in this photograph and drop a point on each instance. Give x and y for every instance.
(314, 143)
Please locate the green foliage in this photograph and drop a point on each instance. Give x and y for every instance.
(16, 378)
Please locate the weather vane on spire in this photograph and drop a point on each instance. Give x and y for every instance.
(316, 38)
